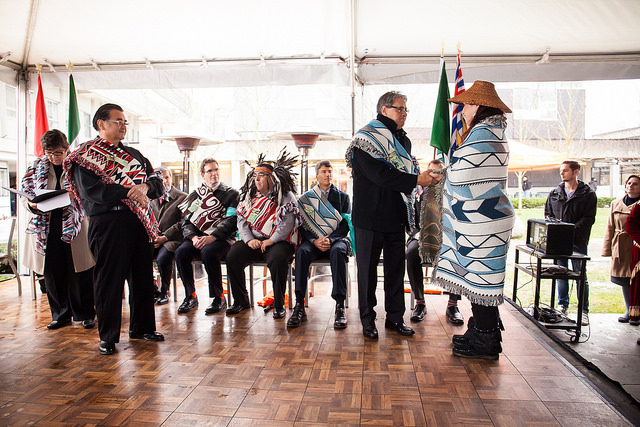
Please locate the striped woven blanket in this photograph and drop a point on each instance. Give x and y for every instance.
(377, 140)
(477, 216)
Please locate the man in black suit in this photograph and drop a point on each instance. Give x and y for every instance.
(384, 176)
(324, 235)
(169, 219)
(114, 183)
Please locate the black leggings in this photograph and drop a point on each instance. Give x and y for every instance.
(486, 318)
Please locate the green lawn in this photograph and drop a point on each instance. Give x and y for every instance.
(604, 296)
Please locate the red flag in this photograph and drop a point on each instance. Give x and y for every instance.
(42, 124)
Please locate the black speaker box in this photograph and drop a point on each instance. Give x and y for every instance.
(550, 237)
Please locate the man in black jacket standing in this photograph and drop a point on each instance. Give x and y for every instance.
(384, 176)
(114, 184)
(209, 231)
(574, 202)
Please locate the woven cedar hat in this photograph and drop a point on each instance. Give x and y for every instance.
(481, 93)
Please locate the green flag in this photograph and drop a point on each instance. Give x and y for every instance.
(74, 115)
(441, 133)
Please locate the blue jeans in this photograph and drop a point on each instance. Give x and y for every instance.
(563, 284)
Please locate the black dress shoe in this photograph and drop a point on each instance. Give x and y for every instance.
(88, 324)
(279, 313)
(151, 336)
(419, 312)
(399, 327)
(454, 316)
(370, 331)
(216, 305)
(340, 321)
(162, 299)
(188, 304)
(237, 308)
(57, 324)
(297, 317)
(106, 348)
(157, 294)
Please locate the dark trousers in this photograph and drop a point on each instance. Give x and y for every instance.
(307, 253)
(69, 293)
(164, 261)
(211, 255)
(277, 257)
(122, 251)
(563, 284)
(414, 271)
(369, 245)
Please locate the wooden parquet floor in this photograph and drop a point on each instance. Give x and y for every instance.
(249, 370)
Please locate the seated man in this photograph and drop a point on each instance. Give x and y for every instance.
(169, 219)
(267, 228)
(323, 235)
(209, 229)
(415, 265)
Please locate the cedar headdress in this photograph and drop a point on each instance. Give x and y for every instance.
(281, 174)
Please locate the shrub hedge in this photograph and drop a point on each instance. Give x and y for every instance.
(538, 202)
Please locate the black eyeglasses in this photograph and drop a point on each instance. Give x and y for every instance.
(54, 153)
(401, 109)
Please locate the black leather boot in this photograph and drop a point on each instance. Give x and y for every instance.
(463, 340)
(481, 344)
(298, 316)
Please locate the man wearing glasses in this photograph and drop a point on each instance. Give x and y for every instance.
(384, 176)
(114, 183)
(209, 229)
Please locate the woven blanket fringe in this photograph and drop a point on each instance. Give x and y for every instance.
(488, 301)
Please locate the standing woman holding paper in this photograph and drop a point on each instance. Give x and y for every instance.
(56, 243)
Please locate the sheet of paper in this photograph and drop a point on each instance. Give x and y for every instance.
(55, 202)
(18, 192)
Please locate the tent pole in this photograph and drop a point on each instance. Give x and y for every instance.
(21, 159)
(352, 67)
(33, 13)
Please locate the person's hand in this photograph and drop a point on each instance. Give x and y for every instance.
(161, 240)
(436, 176)
(428, 178)
(138, 193)
(254, 244)
(33, 205)
(265, 244)
(202, 241)
(71, 195)
(323, 243)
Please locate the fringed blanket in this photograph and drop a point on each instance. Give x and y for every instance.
(477, 216)
(113, 165)
(264, 215)
(377, 140)
(430, 238)
(37, 177)
(318, 215)
(203, 209)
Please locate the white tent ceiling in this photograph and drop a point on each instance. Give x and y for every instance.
(162, 43)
